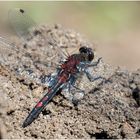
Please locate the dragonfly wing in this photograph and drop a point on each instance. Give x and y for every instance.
(43, 46)
(18, 61)
(73, 94)
(6, 51)
(22, 23)
(27, 29)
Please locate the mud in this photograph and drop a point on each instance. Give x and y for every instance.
(110, 108)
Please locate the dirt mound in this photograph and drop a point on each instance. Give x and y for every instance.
(110, 108)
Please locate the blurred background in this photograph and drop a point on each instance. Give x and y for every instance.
(113, 26)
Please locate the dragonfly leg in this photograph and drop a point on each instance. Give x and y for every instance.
(78, 95)
(73, 93)
(95, 63)
(84, 65)
(93, 78)
(67, 94)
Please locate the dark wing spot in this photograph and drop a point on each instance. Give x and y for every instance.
(22, 11)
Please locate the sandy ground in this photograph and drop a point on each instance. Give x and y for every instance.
(110, 108)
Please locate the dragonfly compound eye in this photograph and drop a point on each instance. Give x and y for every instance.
(87, 51)
(83, 49)
(90, 55)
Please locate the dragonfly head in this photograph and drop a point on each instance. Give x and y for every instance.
(87, 52)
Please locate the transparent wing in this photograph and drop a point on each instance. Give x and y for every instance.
(44, 46)
(21, 22)
(6, 50)
(41, 50)
(19, 61)
(28, 30)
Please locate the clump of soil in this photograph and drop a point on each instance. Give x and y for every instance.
(110, 108)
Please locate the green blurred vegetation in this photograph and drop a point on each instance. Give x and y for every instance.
(95, 18)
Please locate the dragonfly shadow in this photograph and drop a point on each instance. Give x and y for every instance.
(101, 84)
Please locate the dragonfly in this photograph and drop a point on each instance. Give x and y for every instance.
(68, 70)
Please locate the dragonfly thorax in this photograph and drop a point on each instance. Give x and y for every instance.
(87, 53)
(70, 65)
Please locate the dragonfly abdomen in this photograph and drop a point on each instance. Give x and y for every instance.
(41, 105)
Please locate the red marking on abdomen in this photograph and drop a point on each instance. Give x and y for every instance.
(39, 104)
